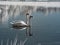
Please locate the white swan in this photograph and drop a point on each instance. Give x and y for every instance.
(18, 23)
(22, 23)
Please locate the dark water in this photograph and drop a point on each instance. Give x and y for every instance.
(45, 30)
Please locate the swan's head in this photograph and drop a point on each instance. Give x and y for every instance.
(27, 13)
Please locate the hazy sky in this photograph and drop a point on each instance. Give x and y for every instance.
(29, 0)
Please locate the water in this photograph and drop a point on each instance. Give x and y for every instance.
(44, 30)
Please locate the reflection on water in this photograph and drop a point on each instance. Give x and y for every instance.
(16, 40)
(48, 10)
(45, 25)
(12, 35)
(28, 31)
(9, 13)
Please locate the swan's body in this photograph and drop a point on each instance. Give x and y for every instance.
(19, 24)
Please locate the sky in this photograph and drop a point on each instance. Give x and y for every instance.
(30, 0)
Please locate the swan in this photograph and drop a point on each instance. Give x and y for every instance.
(19, 23)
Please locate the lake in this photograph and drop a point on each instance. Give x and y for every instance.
(44, 30)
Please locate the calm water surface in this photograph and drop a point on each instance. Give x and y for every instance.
(45, 30)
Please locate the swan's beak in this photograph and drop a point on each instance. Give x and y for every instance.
(31, 16)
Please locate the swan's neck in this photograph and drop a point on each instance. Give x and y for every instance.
(28, 19)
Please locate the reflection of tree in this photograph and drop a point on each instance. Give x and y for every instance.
(1, 42)
(1, 12)
(48, 10)
(9, 13)
(16, 40)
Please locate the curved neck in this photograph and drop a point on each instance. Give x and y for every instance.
(28, 19)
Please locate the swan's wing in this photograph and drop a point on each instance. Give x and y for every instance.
(23, 23)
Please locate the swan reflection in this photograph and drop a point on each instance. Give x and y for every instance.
(28, 31)
(18, 40)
